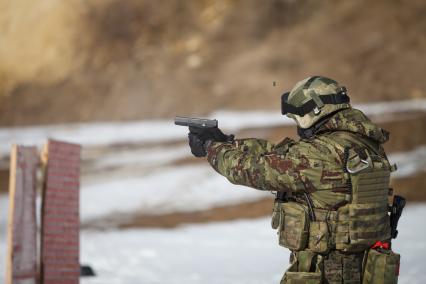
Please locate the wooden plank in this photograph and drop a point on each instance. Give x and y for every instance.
(22, 227)
(60, 214)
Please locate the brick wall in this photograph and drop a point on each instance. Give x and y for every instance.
(60, 215)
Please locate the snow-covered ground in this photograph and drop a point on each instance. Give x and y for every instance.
(410, 162)
(244, 251)
(229, 252)
(169, 189)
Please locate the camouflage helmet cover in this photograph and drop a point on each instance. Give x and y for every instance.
(313, 98)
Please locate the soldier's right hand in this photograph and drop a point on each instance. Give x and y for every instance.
(196, 142)
(199, 139)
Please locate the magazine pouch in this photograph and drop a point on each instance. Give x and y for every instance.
(306, 268)
(381, 267)
(294, 226)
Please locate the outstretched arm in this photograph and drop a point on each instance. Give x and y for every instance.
(253, 146)
(253, 163)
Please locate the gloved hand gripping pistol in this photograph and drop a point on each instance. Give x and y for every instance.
(201, 133)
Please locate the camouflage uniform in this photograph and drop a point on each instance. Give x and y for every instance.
(332, 185)
(329, 248)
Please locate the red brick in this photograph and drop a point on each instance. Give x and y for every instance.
(63, 267)
(61, 194)
(64, 242)
(67, 256)
(61, 248)
(60, 232)
(71, 218)
(60, 281)
(53, 203)
(62, 275)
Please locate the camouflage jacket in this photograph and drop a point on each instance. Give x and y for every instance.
(314, 165)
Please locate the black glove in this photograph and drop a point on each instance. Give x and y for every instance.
(200, 138)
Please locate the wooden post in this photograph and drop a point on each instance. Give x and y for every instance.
(60, 214)
(22, 227)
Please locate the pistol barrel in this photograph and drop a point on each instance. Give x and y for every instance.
(195, 122)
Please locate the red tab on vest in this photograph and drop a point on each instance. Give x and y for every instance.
(382, 245)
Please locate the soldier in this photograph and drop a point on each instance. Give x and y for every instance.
(332, 185)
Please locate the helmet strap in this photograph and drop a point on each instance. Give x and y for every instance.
(307, 133)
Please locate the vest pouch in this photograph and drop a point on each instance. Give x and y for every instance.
(381, 267)
(318, 237)
(276, 215)
(294, 226)
(299, 273)
(302, 277)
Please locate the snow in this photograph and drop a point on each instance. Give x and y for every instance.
(171, 189)
(151, 157)
(381, 108)
(410, 162)
(150, 131)
(90, 134)
(411, 244)
(244, 251)
(234, 252)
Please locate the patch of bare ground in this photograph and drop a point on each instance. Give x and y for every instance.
(413, 187)
(245, 210)
(407, 131)
(4, 180)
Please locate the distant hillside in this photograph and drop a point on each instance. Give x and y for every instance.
(72, 60)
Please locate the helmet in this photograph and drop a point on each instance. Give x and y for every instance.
(312, 99)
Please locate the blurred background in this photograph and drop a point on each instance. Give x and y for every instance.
(112, 74)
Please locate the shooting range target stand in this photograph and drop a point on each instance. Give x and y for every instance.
(51, 255)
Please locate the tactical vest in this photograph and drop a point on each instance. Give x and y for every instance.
(354, 226)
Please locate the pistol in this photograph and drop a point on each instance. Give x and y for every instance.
(196, 122)
(203, 125)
